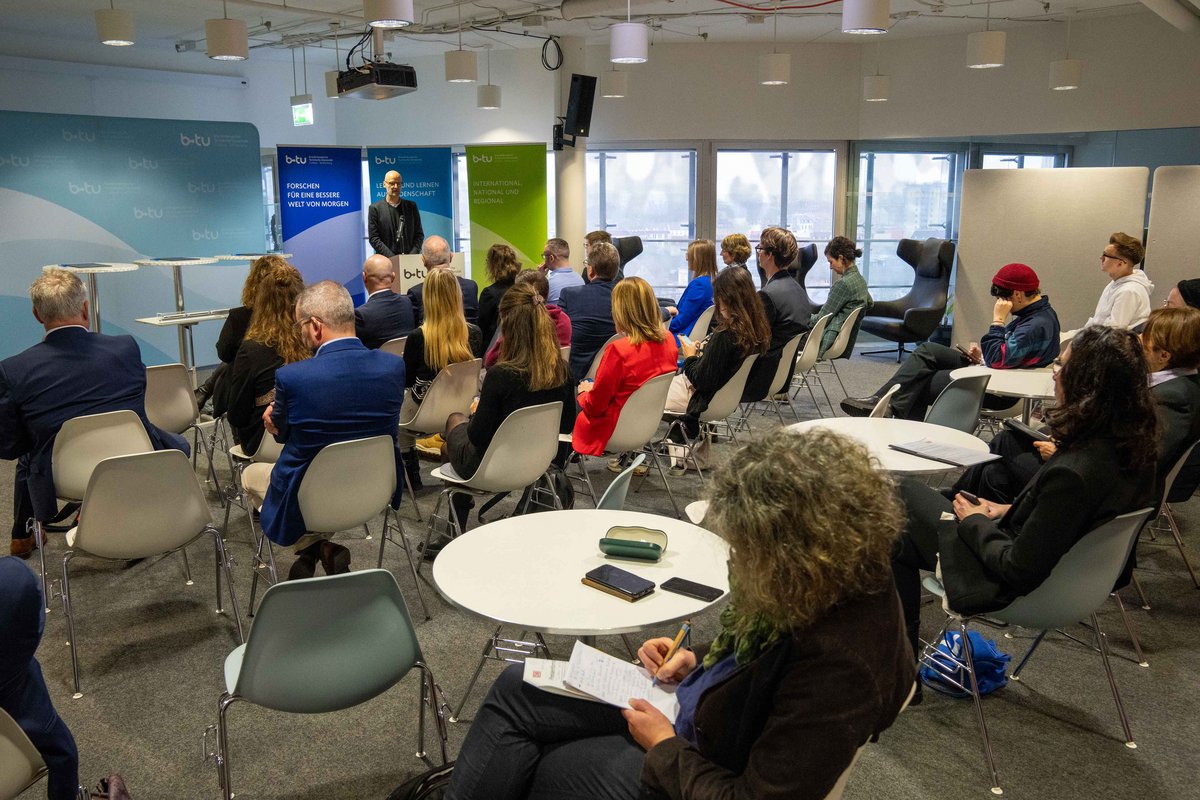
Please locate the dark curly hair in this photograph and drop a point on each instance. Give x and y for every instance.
(1105, 395)
(739, 310)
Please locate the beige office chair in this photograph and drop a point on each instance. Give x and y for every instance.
(722, 405)
(395, 346)
(21, 765)
(267, 453)
(838, 349)
(702, 324)
(803, 374)
(778, 385)
(883, 409)
(171, 406)
(591, 373)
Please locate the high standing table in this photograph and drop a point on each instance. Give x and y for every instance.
(878, 433)
(91, 270)
(1027, 384)
(184, 320)
(176, 265)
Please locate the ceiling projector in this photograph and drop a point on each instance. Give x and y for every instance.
(377, 80)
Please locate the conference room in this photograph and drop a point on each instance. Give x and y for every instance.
(161, 171)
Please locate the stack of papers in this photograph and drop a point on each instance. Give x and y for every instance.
(597, 676)
(945, 453)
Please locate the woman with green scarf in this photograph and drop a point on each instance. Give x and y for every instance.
(812, 660)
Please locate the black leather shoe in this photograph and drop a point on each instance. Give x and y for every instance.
(335, 558)
(302, 567)
(859, 406)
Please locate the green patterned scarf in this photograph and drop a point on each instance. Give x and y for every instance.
(746, 636)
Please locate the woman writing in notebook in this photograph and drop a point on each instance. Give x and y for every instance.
(777, 705)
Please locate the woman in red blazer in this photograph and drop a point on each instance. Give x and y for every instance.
(645, 351)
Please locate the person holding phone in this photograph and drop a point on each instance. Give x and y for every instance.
(776, 705)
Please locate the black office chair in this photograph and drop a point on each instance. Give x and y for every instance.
(805, 260)
(914, 317)
(628, 248)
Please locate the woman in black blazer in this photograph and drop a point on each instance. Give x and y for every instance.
(1106, 428)
(502, 269)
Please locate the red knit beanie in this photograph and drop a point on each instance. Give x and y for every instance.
(1018, 277)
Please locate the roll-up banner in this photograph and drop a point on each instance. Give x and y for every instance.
(426, 176)
(506, 190)
(320, 194)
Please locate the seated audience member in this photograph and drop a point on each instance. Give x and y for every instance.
(1029, 339)
(594, 238)
(590, 309)
(556, 264)
(271, 342)
(233, 330)
(779, 702)
(697, 296)
(739, 328)
(735, 250)
(435, 254)
(850, 291)
(785, 303)
(1125, 302)
(443, 338)
(502, 269)
(1184, 293)
(562, 323)
(530, 372)
(343, 392)
(992, 553)
(385, 315)
(645, 351)
(71, 373)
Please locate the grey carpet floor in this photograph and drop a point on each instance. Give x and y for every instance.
(152, 650)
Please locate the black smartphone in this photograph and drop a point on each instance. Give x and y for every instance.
(970, 497)
(692, 589)
(1020, 427)
(618, 582)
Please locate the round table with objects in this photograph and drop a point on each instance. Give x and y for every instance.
(878, 433)
(1027, 384)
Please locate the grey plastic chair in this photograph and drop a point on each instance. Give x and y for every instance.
(702, 324)
(1076, 589)
(267, 453)
(171, 406)
(591, 373)
(803, 373)
(883, 409)
(395, 346)
(326, 644)
(844, 341)
(723, 404)
(21, 765)
(1166, 512)
(139, 506)
(696, 511)
(780, 381)
(959, 403)
(613, 498)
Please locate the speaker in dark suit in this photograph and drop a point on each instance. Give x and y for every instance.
(394, 225)
(385, 315)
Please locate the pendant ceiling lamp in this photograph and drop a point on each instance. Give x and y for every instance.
(876, 88)
(985, 48)
(114, 27)
(614, 84)
(630, 41)
(461, 66)
(388, 13)
(1066, 74)
(487, 95)
(774, 68)
(225, 39)
(866, 16)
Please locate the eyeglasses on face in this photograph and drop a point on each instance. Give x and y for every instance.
(1104, 256)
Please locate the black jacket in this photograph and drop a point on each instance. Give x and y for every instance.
(1178, 403)
(489, 310)
(384, 316)
(251, 378)
(382, 233)
(788, 311)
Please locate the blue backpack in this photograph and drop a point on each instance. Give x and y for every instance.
(990, 666)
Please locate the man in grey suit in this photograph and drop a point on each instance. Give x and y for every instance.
(394, 225)
(385, 315)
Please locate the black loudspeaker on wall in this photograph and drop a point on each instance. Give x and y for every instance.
(579, 105)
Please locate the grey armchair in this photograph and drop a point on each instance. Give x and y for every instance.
(914, 317)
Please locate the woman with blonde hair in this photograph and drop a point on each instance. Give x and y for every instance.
(702, 266)
(810, 663)
(644, 351)
(502, 269)
(271, 341)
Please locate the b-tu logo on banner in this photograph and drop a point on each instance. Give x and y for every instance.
(78, 136)
(295, 160)
(12, 160)
(85, 188)
(195, 140)
(206, 234)
(147, 213)
(143, 163)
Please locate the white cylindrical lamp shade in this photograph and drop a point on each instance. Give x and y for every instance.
(461, 66)
(876, 88)
(1066, 74)
(388, 13)
(114, 27)
(985, 49)
(487, 95)
(630, 43)
(226, 39)
(614, 84)
(866, 16)
(774, 69)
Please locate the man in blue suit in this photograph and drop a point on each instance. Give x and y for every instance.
(343, 392)
(386, 315)
(590, 308)
(71, 373)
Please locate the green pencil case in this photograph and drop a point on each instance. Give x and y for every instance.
(633, 541)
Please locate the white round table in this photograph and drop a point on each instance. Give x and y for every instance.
(878, 433)
(1027, 384)
(526, 572)
(249, 256)
(91, 270)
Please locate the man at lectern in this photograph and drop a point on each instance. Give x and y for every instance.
(394, 225)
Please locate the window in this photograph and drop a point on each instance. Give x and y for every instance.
(1022, 161)
(651, 194)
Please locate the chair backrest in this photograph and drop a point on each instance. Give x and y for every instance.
(959, 403)
(565, 352)
(843, 345)
(170, 398)
(521, 450)
(348, 484)
(812, 347)
(325, 644)
(613, 498)
(628, 248)
(394, 346)
(141, 505)
(883, 408)
(783, 370)
(703, 322)
(83, 442)
(639, 417)
(268, 450)
(727, 398)
(21, 765)
(931, 260)
(1082, 579)
(591, 373)
(1175, 470)
(451, 392)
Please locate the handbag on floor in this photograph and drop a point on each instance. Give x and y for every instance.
(990, 665)
(429, 785)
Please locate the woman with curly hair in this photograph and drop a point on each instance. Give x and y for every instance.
(1105, 428)
(735, 250)
(272, 340)
(778, 703)
(502, 269)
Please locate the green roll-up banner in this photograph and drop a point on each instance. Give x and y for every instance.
(506, 190)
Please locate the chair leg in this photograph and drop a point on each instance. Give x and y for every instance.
(412, 495)
(39, 540)
(1170, 515)
(482, 660)
(1133, 637)
(1112, 683)
(223, 566)
(223, 761)
(983, 731)
(451, 521)
(662, 474)
(1016, 673)
(838, 375)
(385, 537)
(66, 601)
(1137, 585)
(187, 567)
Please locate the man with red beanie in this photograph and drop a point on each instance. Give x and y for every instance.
(1029, 338)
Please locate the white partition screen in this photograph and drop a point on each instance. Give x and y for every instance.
(1055, 220)
(1173, 248)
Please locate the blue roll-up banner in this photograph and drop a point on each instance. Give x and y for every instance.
(426, 174)
(320, 203)
(97, 189)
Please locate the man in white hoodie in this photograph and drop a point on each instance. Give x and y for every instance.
(1125, 302)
